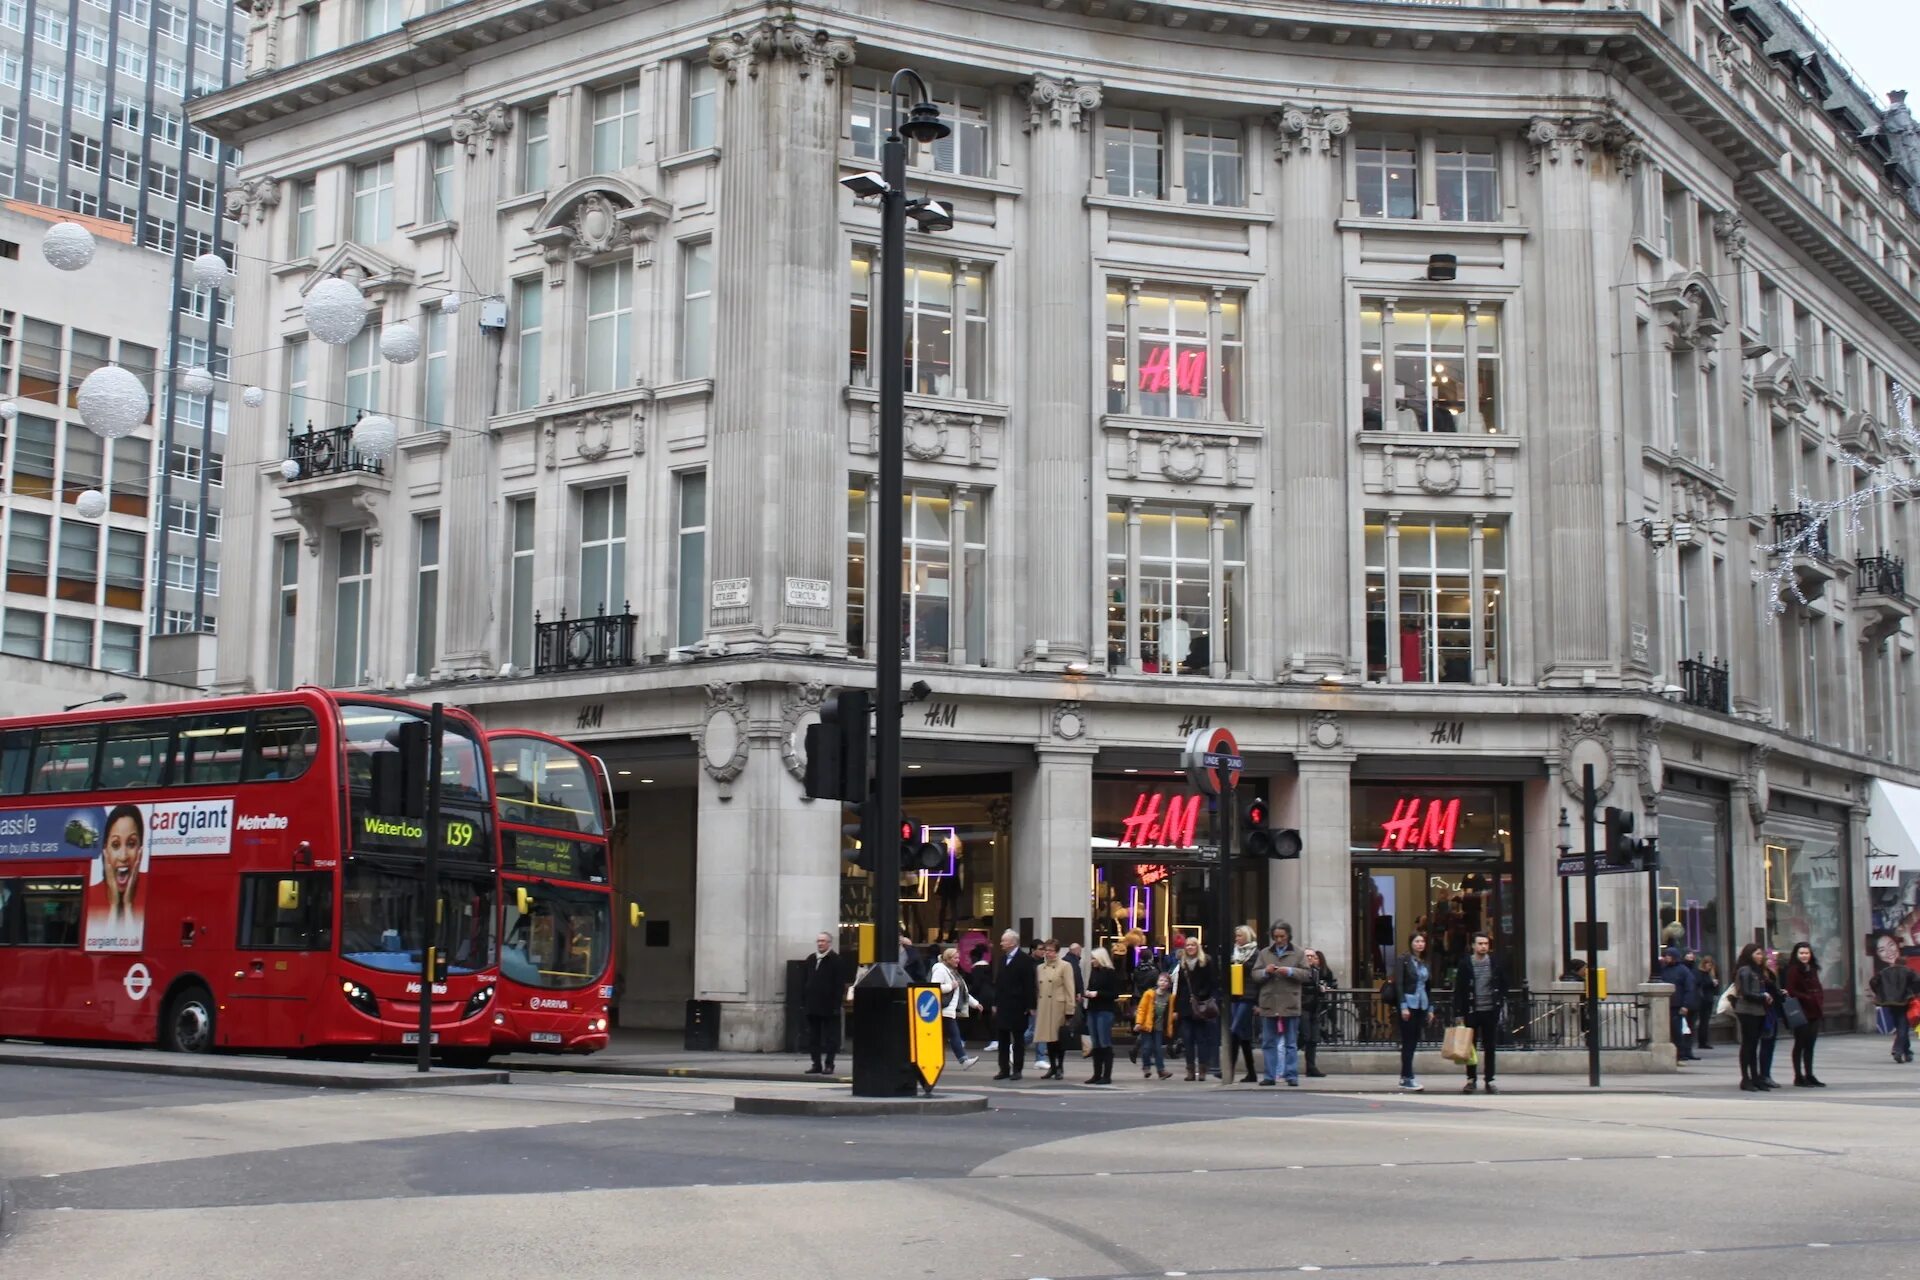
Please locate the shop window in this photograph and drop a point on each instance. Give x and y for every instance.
(1165, 613)
(1435, 600)
(1444, 360)
(1692, 882)
(943, 358)
(1807, 892)
(1173, 352)
(943, 570)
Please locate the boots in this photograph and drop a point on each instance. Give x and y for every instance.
(1313, 1069)
(1102, 1067)
(1243, 1048)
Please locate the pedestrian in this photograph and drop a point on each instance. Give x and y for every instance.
(1280, 974)
(1750, 1001)
(913, 962)
(1802, 982)
(1053, 1007)
(1101, 998)
(1154, 1024)
(1316, 1002)
(1776, 1013)
(1074, 957)
(1240, 1016)
(821, 993)
(1679, 1004)
(1711, 985)
(1480, 1000)
(1412, 985)
(1196, 1000)
(955, 1001)
(1013, 1001)
(1893, 984)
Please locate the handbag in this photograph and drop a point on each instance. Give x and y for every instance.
(1725, 1005)
(1796, 1016)
(1206, 1009)
(1913, 1012)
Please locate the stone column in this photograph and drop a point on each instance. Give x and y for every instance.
(1059, 421)
(768, 863)
(469, 527)
(1315, 893)
(1567, 155)
(1053, 831)
(957, 572)
(1310, 472)
(1745, 674)
(780, 298)
(243, 660)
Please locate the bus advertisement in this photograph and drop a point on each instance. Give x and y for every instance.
(228, 873)
(556, 956)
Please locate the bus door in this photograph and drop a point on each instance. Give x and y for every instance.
(284, 952)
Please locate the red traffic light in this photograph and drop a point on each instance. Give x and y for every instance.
(1257, 814)
(906, 829)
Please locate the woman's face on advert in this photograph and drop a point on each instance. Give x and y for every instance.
(120, 859)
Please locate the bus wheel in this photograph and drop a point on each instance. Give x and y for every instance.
(188, 1027)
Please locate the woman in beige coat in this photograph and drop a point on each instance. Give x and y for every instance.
(1054, 980)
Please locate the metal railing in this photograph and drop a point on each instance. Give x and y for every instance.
(1535, 1020)
(1881, 575)
(329, 453)
(583, 643)
(1706, 683)
(1788, 526)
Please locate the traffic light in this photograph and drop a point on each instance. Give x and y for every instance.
(918, 855)
(854, 845)
(837, 748)
(1621, 848)
(1258, 841)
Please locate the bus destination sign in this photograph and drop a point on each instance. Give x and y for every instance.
(555, 856)
(459, 836)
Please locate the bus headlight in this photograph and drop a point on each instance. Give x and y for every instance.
(359, 997)
(599, 1024)
(478, 1001)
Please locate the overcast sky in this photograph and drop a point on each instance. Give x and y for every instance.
(1880, 39)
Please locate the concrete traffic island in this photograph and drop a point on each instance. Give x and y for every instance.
(302, 1072)
(813, 1101)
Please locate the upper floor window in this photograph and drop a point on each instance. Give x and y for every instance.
(363, 370)
(690, 585)
(1466, 175)
(603, 550)
(1135, 142)
(943, 358)
(303, 201)
(1386, 176)
(1435, 611)
(1163, 615)
(533, 149)
(703, 97)
(1173, 352)
(696, 309)
(943, 567)
(616, 126)
(352, 608)
(377, 17)
(373, 201)
(609, 327)
(1213, 151)
(964, 109)
(435, 367)
(528, 301)
(440, 180)
(1445, 366)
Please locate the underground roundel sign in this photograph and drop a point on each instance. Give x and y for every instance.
(137, 982)
(1207, 750)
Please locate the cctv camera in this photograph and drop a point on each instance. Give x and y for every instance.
(868, 186)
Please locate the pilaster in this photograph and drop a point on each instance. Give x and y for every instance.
(781, 281)
(1315, 893)
(1052, 838)
(1059, 355)
(1310, 472)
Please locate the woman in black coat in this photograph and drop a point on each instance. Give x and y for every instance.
(1194, 984)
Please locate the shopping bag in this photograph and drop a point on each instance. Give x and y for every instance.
(1913, 1012)
(1473, 1055)
(1457, 1043)
(1796, 1016)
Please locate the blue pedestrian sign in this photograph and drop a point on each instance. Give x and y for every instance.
(926, 1037)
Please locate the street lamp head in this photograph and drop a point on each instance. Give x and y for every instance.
(868, 186)
(924, 124)
(932, 215)
(1565, 833)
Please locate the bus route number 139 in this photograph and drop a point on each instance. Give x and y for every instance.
(459, 835)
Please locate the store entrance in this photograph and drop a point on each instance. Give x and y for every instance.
(1448, 901)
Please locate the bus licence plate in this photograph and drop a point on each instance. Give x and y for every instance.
(413, 1037)
(547, 1037)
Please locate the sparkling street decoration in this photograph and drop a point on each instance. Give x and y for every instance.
(196, 380)
(7, 410)
(374, 436)
(450, 303)
(210, 271)
(400, 343)
(254, 397)
(289, 469)
(91, 504)
(335, 311)
(67, 245)
(112, 402)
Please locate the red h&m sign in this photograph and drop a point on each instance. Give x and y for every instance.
(1187, 371)
(1148, 827)
(1420, 826)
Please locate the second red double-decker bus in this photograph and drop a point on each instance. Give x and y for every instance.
(230, 873)
(556, 892)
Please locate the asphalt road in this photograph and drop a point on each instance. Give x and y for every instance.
(113, 1175)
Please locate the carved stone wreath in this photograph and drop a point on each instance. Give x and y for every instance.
(722, 737)
(1326, 732)
(925, 434)
(1069, 721)
(798, 703)
(597, 228)
(1578, 737)
(583, 426)
(1183, 458)
(1439, 470)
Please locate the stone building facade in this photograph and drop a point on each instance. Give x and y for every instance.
(1419, 399)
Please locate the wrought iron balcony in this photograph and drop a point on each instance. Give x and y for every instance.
(583, 644)
(1788, 528)
(1881, 575)
(1706, 684)
(329, 452)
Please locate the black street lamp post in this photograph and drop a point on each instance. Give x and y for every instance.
(880, 1064)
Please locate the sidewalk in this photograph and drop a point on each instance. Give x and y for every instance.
(256, 1068)
(1850, 1062)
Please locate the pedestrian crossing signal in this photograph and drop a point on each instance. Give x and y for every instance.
(1259, 841)
(855, 847)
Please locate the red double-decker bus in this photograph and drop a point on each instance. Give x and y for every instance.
(555, 808)
(232, 873)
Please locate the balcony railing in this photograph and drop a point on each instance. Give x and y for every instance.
(1788, 526)
(1882, 575)
(1705, 683)
(583, 644)
(329, 453)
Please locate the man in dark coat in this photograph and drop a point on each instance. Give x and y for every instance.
(821, 993)
(1016, 991)
(1679, 1007)
(1480, 999)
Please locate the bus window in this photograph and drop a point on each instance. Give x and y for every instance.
(265, 923)
(16, 749)
(540, 784)
(209, 749)
(283, 744)
(371, 730)
(63, 758)
(135, 753)
(50, 911)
